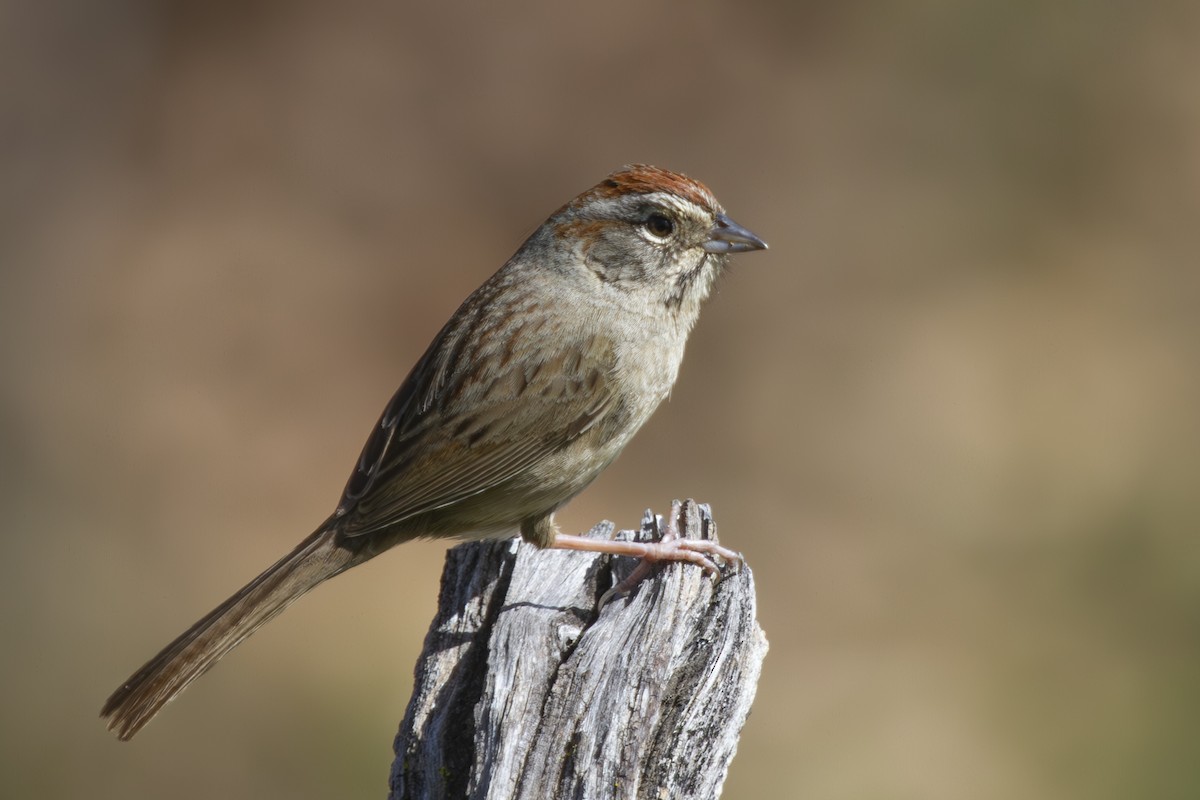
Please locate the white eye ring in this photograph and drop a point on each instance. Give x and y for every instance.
(659, 225)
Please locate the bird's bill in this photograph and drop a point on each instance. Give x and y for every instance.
(727, 236)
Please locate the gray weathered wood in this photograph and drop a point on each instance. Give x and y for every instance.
(526, 690)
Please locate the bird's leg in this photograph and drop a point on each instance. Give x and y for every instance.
(670, 547)
(693, 551)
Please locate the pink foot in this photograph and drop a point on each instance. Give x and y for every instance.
(670, 547)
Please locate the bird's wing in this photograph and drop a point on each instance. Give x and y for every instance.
(449, 434)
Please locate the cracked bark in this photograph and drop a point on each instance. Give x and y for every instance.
(525, 690)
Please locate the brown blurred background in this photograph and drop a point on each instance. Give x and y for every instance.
(951, 416)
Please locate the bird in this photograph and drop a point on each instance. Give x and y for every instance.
(532, 388)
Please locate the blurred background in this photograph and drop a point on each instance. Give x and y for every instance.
(951, 417)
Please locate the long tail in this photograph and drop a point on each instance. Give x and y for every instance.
(135, 703)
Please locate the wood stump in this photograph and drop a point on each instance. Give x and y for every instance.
(525, 689)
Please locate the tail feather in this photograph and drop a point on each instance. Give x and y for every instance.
(195, 651)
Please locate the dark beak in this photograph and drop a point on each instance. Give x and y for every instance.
(727, 236)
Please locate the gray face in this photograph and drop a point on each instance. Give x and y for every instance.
(651, 245)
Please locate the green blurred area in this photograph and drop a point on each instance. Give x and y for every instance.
(951, 417)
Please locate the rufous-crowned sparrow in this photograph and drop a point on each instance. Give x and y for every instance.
(533, 387)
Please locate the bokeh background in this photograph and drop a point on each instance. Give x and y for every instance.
(951, 416)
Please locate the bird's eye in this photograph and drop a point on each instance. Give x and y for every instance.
(660, 225)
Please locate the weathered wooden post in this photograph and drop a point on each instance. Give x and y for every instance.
(525, 689)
